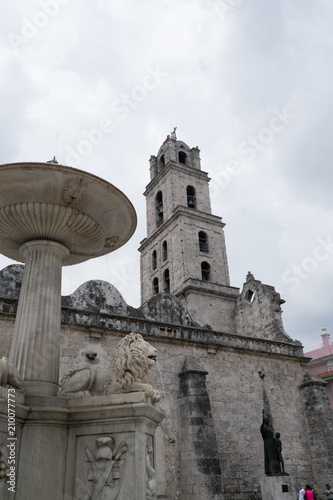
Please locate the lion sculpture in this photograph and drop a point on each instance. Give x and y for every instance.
(132, 361)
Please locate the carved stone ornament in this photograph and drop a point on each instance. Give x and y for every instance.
(9, 374)
(132, 361)
(105, 469)
(151, 474)
(74, 191)
(111, 242)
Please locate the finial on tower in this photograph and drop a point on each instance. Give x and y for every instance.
(249, 276)
(173, 134)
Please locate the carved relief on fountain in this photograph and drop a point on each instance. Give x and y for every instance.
(150, 471)
(105, 465)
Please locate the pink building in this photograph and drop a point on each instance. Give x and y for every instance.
(321, 363)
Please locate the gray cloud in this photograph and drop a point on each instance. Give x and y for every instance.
(228, 67)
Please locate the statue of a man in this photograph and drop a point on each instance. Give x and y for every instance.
(272, 462)
(278, 447)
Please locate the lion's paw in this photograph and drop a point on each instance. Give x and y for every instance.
(153, 395)
(156, 397)
(149, 392)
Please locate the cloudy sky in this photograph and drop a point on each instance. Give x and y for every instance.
(101, 83)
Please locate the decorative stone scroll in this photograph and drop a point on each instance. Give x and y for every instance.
(105, 469)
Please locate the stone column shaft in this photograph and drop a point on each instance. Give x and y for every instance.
(35, 346)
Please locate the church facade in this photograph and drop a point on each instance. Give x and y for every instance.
(224, 359)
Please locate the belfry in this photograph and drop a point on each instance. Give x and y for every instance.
(185, 253)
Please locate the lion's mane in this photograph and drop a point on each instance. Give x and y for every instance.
(130, 361)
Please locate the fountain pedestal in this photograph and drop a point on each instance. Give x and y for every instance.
(35, 345)
(91, 448)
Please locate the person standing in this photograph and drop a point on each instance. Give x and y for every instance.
(329, 492)
(309, 493)
(301, 494)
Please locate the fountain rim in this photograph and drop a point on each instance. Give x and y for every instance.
(60, 166)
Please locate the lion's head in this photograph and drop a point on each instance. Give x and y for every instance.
(133, 359)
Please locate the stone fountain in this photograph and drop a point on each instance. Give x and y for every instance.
(53, 215)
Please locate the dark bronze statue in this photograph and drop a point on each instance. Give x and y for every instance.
(278, 447)
(274, 463)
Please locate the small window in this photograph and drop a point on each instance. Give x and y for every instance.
(166, 276)
(155, 286)
(205, 271)
(203, 242)
(159, 208)
(165, 250)
(249, 296)
(154, 260)
(182, 157)
(162, 161)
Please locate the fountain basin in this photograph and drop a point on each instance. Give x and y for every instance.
(79, 210)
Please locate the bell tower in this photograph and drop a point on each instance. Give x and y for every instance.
(184, 253)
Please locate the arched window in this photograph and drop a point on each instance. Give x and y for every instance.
(165, 250)
(205, 271)
(154, 260)
(191, 198)
(159, 208)
(203, 242)
(166, 277)
(162, 161)
(155, 286)
(182, 157)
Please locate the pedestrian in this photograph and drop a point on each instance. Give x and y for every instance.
(301, 494)
(308, 493)
(329, 492)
